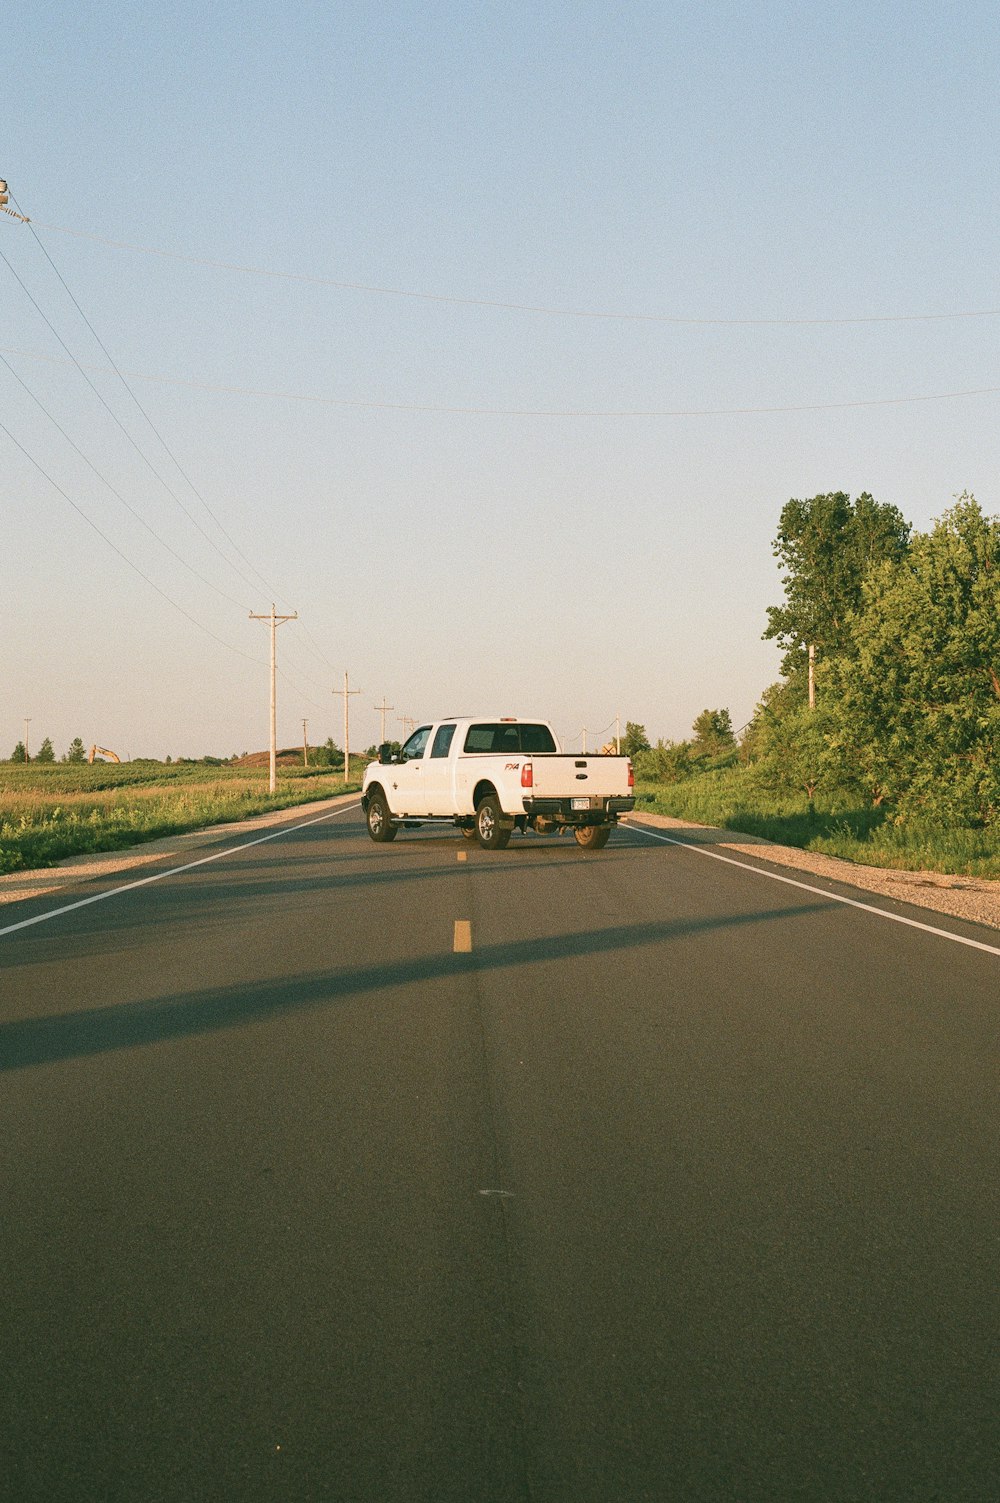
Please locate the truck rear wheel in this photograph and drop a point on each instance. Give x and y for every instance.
(491, 832)
(380, 826)
(592, 837)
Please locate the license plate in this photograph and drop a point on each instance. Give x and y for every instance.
(581, 803)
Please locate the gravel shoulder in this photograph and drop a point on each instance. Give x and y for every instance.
(975, 899)
(17, 886)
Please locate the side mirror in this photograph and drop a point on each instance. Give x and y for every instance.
(385, 752)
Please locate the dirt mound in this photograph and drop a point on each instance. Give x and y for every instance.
(287, 756)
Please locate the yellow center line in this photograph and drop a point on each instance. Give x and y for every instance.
(463, 937)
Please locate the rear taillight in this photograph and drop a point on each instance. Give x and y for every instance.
(527, 776)
(631, 776)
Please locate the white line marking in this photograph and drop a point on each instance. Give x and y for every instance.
(174, 871)
(835, 897)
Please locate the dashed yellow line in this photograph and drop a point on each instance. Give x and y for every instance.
(463, 855)
(463, 937)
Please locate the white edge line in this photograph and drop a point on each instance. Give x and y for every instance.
(835, 897)
(113, 892)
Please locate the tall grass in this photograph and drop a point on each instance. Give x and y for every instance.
(731, 800)
(50, 812)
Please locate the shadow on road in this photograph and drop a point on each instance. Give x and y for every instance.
(39, 1041)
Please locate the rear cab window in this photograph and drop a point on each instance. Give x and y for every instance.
(495, 736)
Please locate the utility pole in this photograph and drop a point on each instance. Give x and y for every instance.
(27, 722)
(618, 735)
(305, 743)
(408, 724)
(347, 692)
(812, 677)
(583, 739)
(382, 709)
(275, 621)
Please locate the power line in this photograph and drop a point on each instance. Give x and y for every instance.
(366, 405)
(310, 640)
(139, 518)
(117, 421)
(122, 555)
(117, 493)
(607, 315)
(163, 443)
(136, 514)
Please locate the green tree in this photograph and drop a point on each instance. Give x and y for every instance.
(777, 701)
(76, 751)
(635, 739)
(789, 748)
(327, 755)
(825, 548)
(919, 702)
(19, 754)
(713, 734)
(666, 762)
(45, 752)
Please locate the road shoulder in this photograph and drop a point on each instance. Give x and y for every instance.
(974, 899)
(16, 887)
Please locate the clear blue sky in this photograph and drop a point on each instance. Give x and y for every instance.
(530, 553)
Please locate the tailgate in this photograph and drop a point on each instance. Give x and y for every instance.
(564, 776)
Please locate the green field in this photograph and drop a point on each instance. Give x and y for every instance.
(51, 811)
(730, 800)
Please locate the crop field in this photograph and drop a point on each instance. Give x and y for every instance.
(51, 811)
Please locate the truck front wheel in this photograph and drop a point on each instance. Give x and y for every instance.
(380, 826)
(491, 832)
(592, 837)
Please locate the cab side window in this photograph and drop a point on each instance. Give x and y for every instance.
(442, 740)
(414, 748)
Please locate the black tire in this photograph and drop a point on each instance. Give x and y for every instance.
(380, 826)
(592, 837)
(491, 832)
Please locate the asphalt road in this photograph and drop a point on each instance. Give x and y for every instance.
(677, 1182)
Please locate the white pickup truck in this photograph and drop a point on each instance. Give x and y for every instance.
(492, 775)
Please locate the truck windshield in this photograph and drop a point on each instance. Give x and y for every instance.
(496, 737)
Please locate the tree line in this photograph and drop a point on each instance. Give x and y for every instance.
(890, 688)
(326, 754)
(46, 752)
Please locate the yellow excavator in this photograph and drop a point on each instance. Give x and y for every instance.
(102, 751)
